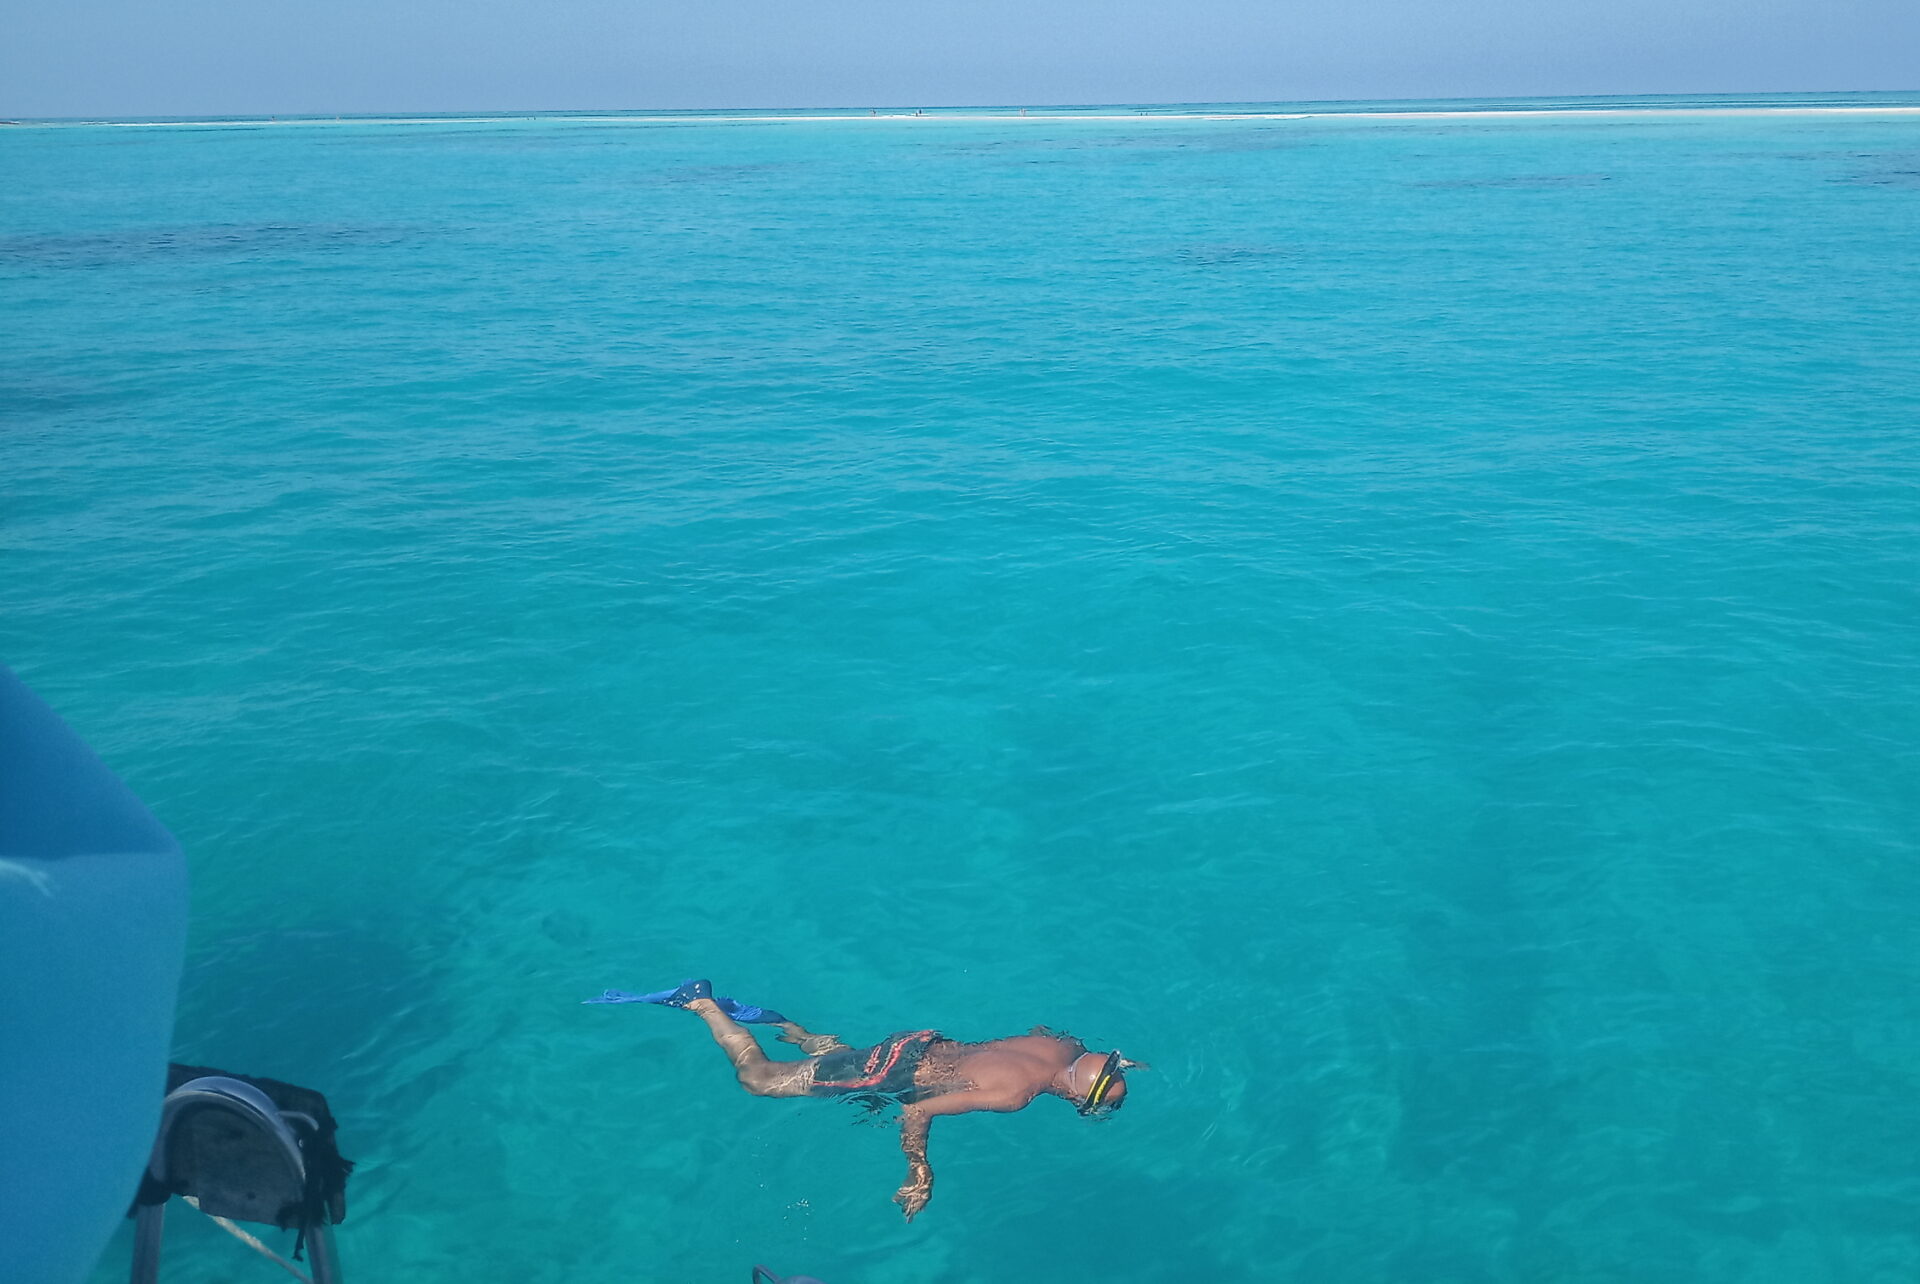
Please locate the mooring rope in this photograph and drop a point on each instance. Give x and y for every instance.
(234, 1230)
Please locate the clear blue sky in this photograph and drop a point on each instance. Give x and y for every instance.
(194, 57)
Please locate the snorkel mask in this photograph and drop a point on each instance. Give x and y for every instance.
(1110, 1074)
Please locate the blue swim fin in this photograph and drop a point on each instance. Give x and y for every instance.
(745, 1013)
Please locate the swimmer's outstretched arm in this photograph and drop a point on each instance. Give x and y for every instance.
(917, 1119)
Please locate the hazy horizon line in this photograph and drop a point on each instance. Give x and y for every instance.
(895, 109)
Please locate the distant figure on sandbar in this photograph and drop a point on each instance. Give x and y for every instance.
(926, 1073)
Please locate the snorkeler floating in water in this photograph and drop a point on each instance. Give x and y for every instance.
(927, 1074)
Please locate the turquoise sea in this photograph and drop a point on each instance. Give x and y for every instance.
(1409, 624)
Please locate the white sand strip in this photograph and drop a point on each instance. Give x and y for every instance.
(1053, 117)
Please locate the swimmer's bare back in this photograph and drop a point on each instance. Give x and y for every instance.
(1002, 1075)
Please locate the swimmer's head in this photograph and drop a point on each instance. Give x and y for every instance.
(1098, 1082)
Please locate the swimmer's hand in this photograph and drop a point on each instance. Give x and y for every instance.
(913, 1196)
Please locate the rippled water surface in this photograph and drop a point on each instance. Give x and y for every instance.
(1408, 626)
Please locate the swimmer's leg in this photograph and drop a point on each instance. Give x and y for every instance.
(814, 1045)
(758, 1073)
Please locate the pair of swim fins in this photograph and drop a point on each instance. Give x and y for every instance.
(680, 995)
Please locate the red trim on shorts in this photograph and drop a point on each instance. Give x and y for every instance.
(876, 1068)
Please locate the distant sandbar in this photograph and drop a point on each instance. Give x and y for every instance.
(1036, 116)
